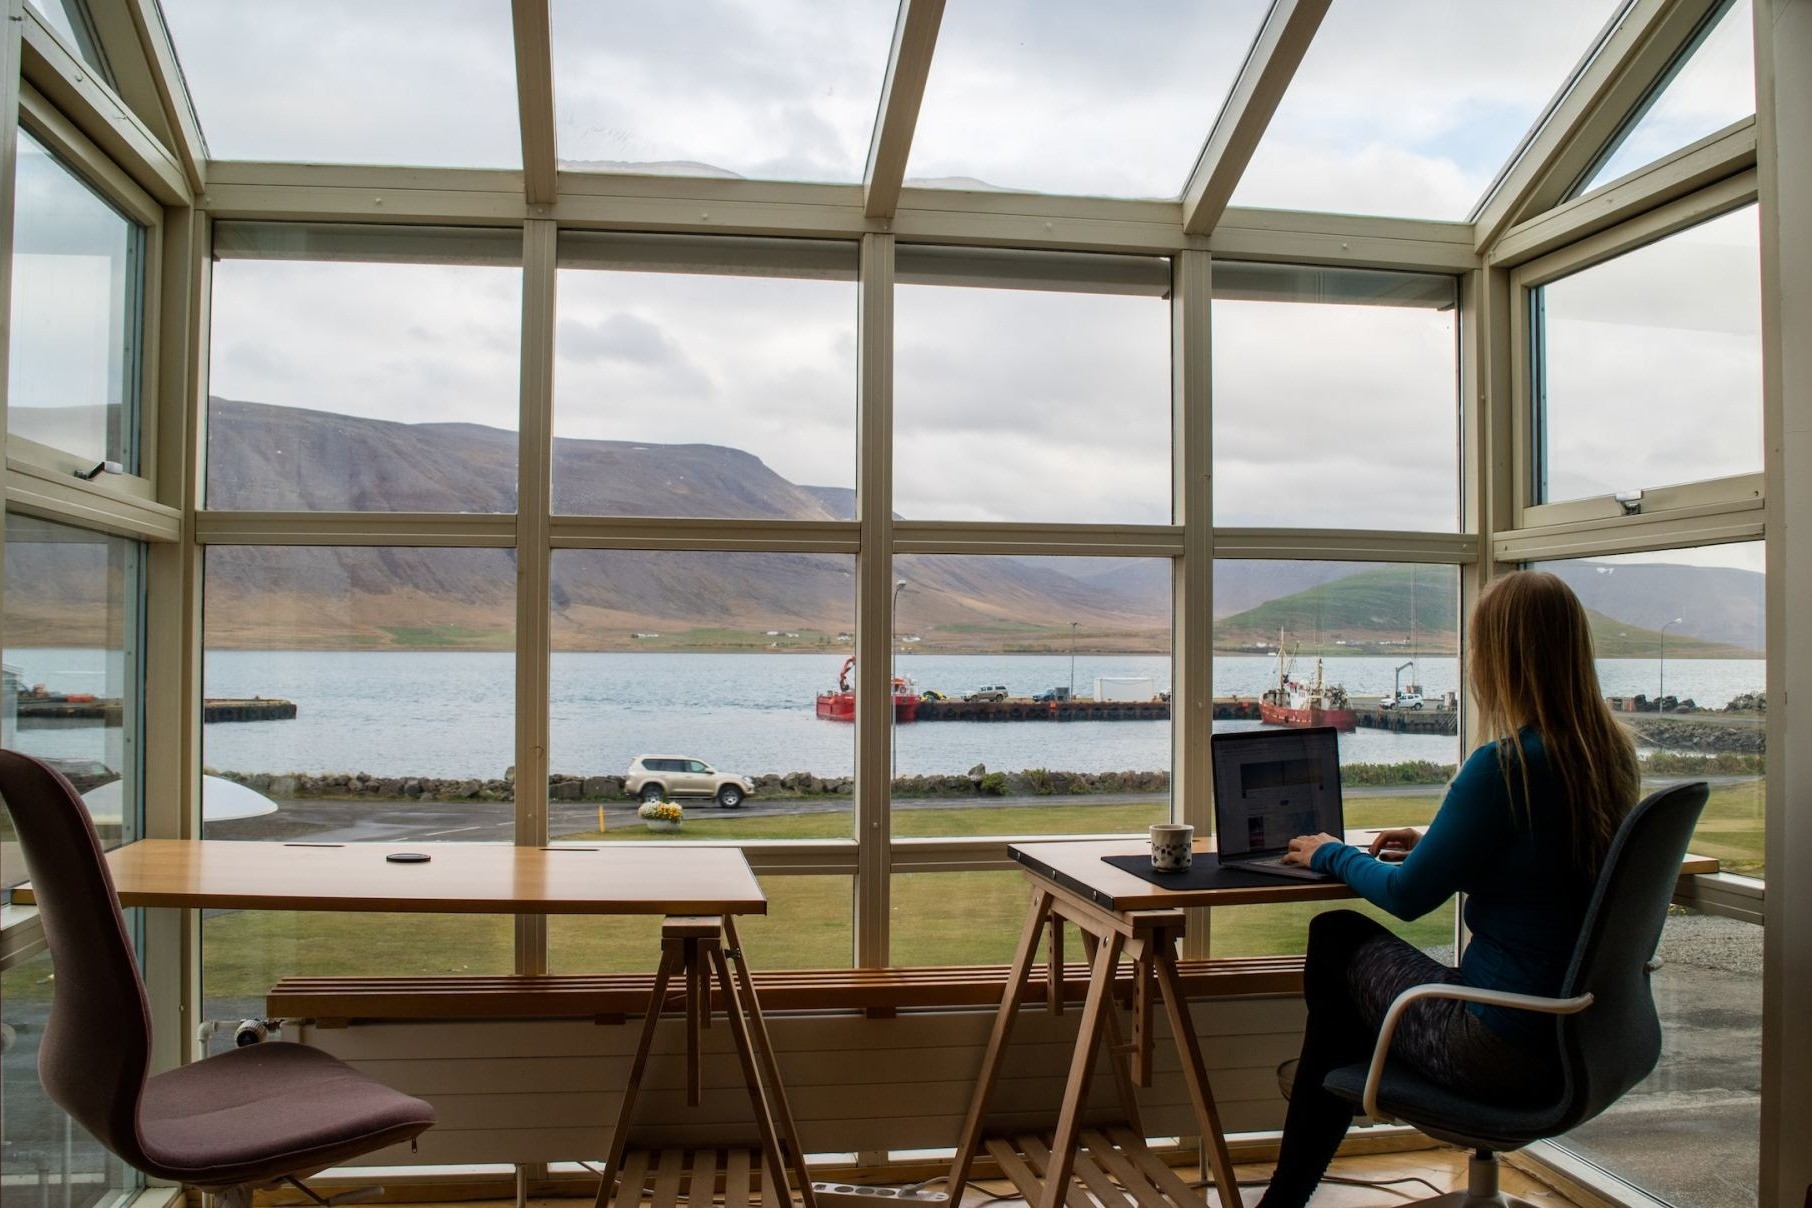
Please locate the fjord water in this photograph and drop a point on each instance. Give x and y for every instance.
(452, 714)
(438, 713)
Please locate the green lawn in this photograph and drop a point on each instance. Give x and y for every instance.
(938, 918)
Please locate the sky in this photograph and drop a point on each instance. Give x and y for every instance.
(1010, 405)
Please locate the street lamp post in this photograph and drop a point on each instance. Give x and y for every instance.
(1073, 625)
(1661, 682)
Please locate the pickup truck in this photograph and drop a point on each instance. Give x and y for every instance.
(990, 692)
(1403, 700)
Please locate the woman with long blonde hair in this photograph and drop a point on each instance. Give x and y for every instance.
(1522, 831)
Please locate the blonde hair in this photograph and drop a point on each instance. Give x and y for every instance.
(1530, 658)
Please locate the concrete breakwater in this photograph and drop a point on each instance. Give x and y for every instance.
(1031, 782)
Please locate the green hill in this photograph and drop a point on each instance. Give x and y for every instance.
(1366, 613)
(1369, 613)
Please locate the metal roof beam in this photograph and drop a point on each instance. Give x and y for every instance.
(1591, 110)
(908, 65)
(179, 127)
(1276, 53)
(535, 100)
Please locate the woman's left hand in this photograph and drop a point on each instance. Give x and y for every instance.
(1302, 848)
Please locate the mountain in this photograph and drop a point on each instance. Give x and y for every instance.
(272, 458)
(1370, 612)
(1717, 603)
(1378, 610)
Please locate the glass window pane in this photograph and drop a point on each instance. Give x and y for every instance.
(1688, 1133)
(1396, 111)
(360, 693)
(809, 925)
(73, 691)
(70, 19)
(1336, 399)
(429, 82)
(1372, 649)
(246, 952)
(693, 393)
(364, 386)
(1650, 365)
(775, 91)
(48, 1158)
(73, 369)
(1038, 695)
(1024, 403)
(1681, 638)
(958, 918)
(1105, 100)
(1713, 87)
(665, 659)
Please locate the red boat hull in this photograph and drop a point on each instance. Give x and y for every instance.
(1283, 715)
(841, 706)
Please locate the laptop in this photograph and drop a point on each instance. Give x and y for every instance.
(1271, 786)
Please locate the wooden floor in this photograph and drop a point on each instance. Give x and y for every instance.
(1444, 1168)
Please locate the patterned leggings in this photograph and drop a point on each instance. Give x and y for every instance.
(1354, 970)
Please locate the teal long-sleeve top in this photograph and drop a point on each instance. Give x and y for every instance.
(1525, 903)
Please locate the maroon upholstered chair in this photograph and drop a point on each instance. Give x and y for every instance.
(243, 1119)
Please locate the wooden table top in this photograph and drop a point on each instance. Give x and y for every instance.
(1078, 865)
(459, 878)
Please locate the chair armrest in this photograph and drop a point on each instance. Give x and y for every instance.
(1497, 998)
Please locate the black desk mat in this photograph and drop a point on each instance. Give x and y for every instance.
(1204, 872)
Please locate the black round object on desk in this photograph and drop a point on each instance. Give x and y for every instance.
(408, 857)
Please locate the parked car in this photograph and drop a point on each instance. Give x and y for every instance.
(990, 692)
(1402, 700)
(1061, 692)
(669, 777)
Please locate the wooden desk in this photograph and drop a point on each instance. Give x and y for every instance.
(461, 878)
(700, 890)
(1118, 915)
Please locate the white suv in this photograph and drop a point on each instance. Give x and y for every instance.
(668, 777)
(1406, 700)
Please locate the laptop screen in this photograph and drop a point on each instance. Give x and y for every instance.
(1272, 785)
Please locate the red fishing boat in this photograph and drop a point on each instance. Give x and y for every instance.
(1294, 702)
(841, 704)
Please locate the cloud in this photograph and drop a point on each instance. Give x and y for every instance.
(411, 343)
(1027, 405)
(779, 89)
(1077, 97)
(1401, 111)
(348, 81)
(762, 364)
(1653, 364)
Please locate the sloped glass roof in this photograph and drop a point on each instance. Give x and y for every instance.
(413, 82)
(1714, 86)
(1410, 108)
(1068, 96)
(70, 19)
(772, 89)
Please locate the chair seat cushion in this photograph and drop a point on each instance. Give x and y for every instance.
(1447, 1115)
(267, 1110)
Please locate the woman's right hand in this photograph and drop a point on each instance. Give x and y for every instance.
(1394, 844)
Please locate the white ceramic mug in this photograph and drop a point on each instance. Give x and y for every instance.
(1172, 846)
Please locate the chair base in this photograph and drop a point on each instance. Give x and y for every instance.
(1481, 1188)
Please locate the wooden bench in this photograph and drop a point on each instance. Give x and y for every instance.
(613, 997)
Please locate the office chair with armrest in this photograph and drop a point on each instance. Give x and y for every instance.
(1607, 1030)
(244, 1119)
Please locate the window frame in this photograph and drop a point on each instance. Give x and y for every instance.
(90, 167)
(1684, 502)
